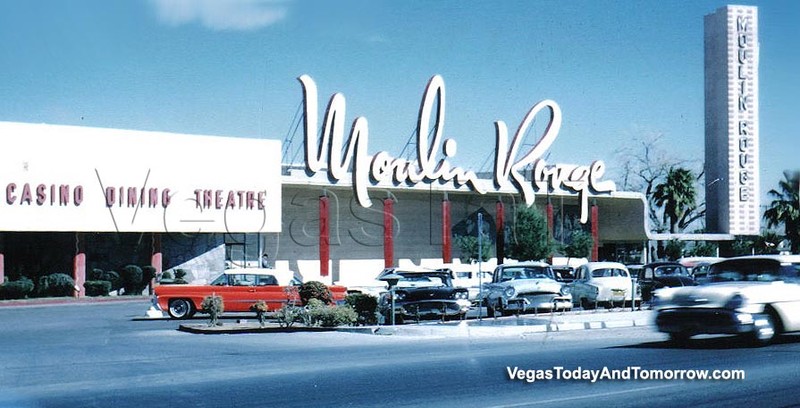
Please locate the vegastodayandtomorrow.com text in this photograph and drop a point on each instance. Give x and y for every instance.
(634, 373)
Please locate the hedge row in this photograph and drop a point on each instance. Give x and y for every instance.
(132, 280)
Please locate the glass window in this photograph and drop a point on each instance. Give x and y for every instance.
(608, 273)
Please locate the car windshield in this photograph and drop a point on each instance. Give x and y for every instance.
(415, 280)
(671, 270)
(526, 272)
(757, 270)
(609, 272)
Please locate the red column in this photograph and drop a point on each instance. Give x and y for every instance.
(156, 260)
(388, 235)
(447, 243)
(500, 238)
(79, 266)
(595, 234)
(324, 236)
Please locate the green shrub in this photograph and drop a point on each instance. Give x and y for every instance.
(167, 275)
(365, 307)
(260, 308)
(148, 274)
(320, 314)
(132, 277)
(95, 274)
(97, 287)
(19, 289)
(180, 274)
(214, 306)
(289, 314)
(56, 285)
(315, 290)
(114, 278)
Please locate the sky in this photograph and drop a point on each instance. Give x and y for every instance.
(619, 70)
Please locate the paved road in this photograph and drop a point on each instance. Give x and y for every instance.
(98, 356)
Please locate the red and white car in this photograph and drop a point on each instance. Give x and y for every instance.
(239, 289)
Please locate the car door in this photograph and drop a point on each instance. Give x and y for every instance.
(579, 285)
(273, 294)
(240, 293)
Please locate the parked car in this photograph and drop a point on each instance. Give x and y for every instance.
(698, 266)
(564, 273)
(603, 283)
(658, 275)
(239, 288)
(525, 286)
(756, 297)
(368, 286)
(424, 294)
(466, 276)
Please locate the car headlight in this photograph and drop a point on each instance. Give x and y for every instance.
(462, 295)
(399, 295)
(510, 292)
(565, 290)
(735, 302)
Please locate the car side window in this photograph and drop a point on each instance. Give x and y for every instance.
(267, 280)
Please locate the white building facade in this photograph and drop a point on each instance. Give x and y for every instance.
(731, 120)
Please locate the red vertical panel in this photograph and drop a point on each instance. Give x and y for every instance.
(446, 241)
(500, 239)
(79, 267)
(388, 236)
(324, 237)
(595, 234)
(550, 227)
(2, 268)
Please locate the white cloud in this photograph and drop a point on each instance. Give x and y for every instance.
(221, 14)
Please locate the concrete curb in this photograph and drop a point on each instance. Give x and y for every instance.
(72, 300)
(465, 329)
(236, 328)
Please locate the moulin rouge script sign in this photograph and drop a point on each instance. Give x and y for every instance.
(328, 152)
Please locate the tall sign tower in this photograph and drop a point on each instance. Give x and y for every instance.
(731, 121)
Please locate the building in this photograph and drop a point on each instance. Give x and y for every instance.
(731, 121)
(104, 198)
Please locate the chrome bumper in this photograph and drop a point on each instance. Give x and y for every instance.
(705, 321)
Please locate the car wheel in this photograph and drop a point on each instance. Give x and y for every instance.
(492, 309)
(765, 330)
(586, 305)
(180, 308)
(679, 337)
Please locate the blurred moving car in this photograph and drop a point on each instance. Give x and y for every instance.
(239, 288)
(603, 283)
(424, 294)
(659, 275)
(757, 297)
(525, 286)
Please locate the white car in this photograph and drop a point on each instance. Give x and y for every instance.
(756, 297)
(603, 283)
(525, 286)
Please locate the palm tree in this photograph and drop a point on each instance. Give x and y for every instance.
(677, 195)
(785, 208)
